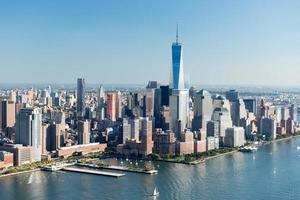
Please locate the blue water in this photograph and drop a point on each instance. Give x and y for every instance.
(270, 173)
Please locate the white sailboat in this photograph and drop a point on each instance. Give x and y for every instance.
(155, 192)
(30, 179)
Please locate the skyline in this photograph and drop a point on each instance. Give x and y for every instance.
(60, 42)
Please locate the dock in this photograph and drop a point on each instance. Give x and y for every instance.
(119, 168)
(95, 172)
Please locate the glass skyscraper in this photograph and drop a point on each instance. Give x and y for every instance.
(177, 76)
(28, 130)
(80, 97)
(179, 95)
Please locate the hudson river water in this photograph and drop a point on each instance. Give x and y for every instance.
(273, 172)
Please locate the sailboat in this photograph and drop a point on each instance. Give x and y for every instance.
(155, 192)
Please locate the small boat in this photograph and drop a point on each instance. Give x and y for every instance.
(298, 148)
(248, 149)
(155, 192)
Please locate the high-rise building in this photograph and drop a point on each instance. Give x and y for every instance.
(179, 109)
(177, 73)
(149, 103)
(29, 130)
(212, 129)
(101, 103)
(164, 95)
(83, 132)
(146, 136)
(238, 111)
(8, 114)
(54, 137)
(268, 127)
(80, 97)
(250, 105)
(179, 95)
(203, 108)
(126, 131)
(234, 137)
(135, 129)
(222, 116)
(113, 105)
(232, 95)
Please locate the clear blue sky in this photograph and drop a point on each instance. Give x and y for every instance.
(252, 42)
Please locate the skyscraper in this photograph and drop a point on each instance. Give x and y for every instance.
(8, 115)
(29, 130)
(179, 95)
(146, 136)
(101, 103)
(83, 132)
(203, 108)
(80, 97)
(177, 76)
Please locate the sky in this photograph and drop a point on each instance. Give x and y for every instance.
(225, 42)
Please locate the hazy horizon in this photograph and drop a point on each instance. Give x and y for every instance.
(235, 43)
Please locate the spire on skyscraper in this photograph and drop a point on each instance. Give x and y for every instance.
(177, 33)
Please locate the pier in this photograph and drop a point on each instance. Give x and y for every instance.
(119, 168)
(95, 172)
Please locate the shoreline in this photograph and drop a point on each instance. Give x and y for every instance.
(17, 173)
(227, 153)
(281, 139)
(195, 162)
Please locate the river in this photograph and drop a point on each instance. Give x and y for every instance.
(273, 172)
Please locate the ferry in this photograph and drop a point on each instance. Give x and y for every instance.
(248, 149)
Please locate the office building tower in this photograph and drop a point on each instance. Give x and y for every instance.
(222, 116)
(238, 111)
(285, 113)
(100, 113)
(293, 112)
(234, 137)
(153, 84)
(13, 96)
(146, 136)
(203, 108)
(125, 131)
(149, 103)
(250, 105)
(29, 130)
(177, 73)
(179, 95)
(81, 97)
(212, 129)
(179, 111)
(83, 132)
(268, 127)
(220, 102)
(290, 126)
(45, 137)
(135, 129)
(164, 95)
(55, 137)
(113, 105)
(232, 95)
(8, 115)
